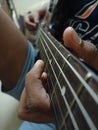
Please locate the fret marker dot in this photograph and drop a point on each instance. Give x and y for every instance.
(63, 90)
(50, 61)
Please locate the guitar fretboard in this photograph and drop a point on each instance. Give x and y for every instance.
(73, 87)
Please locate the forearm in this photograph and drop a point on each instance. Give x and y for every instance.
(13, 51)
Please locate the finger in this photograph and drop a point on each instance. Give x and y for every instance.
(44, 78)
(37, 69)
(31, 21)
(36, 19)
(84, 49)
(44, 81)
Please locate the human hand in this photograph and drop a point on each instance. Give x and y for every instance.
(83, 49)
(35, 102)
(32, 20)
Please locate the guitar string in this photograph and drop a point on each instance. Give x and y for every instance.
(48, 58)
(55, 109)
(81, 106)
(63, 124)
(55, 112)
(89, 89)
(85, 114)
(70, 113)
(72, 103)
(89, 121)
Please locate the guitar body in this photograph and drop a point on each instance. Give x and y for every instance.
(72, 86)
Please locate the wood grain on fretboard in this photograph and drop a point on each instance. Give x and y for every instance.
(73, 87)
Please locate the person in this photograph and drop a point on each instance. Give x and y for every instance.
(33, 19)
(17, 58)
(82, 25)
(83, 49)
(27, 110)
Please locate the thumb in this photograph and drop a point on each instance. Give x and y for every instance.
(83, 49)
(36, 18)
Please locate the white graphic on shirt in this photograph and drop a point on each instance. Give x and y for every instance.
(82, 24)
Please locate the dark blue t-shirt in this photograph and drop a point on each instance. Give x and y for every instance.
(83, 17)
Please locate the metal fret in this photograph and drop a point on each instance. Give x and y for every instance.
(72, 68)
(58, 84)
(71, 84)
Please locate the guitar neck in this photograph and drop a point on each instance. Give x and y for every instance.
(73, 87)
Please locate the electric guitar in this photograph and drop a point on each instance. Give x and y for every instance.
(73, 87)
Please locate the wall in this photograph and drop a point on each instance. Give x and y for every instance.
(23, 6)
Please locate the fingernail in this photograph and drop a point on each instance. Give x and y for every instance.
(76, 38)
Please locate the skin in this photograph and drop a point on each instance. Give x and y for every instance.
(35, 102)
(13, 48)
(30, 108)
(33, 20)
(85, 50)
